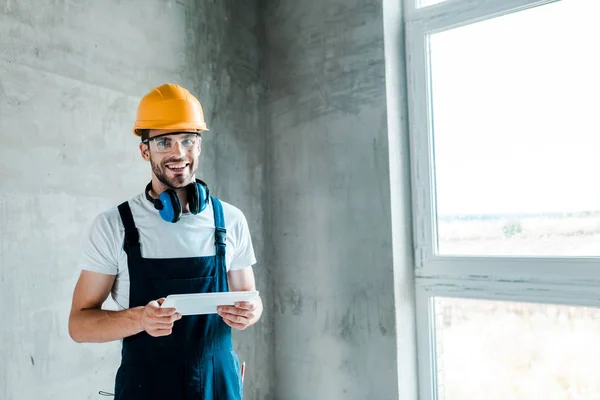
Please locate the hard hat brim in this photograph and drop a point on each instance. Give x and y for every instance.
(167, 125)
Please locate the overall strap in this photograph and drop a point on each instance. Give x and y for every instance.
(220, 239)
(131, 243)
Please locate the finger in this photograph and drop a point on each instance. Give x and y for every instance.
(238, 311)
(228, 309)
(246, 305)
(172, 318)
(156, 309)
(164, 312)
(160, 332)
(153, 305)
(233, 310)
(161, 301)
(237, 319)
(160, 326)
(240, 327)
(165, 321)
(176, 317)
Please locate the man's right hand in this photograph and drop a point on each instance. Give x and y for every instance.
(89, 323)
(158, 321)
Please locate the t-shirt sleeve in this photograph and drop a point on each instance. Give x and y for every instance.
(244, 251)
(100, 249)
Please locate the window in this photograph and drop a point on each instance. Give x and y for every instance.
(498, 350)
(516, 142)
(503, 101)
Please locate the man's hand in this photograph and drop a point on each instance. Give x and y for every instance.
(239, 316)
(158, 321)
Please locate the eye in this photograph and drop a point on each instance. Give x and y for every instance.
(162, 143)
(187, 142)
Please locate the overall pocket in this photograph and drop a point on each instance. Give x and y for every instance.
(150, 382)
(220, 376)
(134, 382)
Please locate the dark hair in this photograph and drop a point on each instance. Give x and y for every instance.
(144, 133)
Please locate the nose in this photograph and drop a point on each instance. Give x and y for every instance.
(178, 149)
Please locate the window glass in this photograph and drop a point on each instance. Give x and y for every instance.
(515, 103)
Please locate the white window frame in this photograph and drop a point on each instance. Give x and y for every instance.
(555, 280)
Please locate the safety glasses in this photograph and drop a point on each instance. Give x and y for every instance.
(165, 142)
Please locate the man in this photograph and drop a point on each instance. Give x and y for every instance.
(172, 239)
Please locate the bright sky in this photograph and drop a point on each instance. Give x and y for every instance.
(516, 107)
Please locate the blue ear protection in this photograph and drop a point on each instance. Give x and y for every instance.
(168, 203)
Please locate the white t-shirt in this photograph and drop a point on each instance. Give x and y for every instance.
(191, 236)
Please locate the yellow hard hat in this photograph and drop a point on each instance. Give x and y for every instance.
(169, 107)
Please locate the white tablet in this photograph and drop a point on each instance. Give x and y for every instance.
(205, 303)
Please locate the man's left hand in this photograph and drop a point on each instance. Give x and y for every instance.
(239, 316)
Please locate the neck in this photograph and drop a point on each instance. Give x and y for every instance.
(158, 187)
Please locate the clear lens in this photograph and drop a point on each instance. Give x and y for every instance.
(163, 144)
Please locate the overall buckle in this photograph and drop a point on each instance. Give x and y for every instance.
(132, 238)
(220, 235)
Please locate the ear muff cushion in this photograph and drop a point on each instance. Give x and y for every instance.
(171, 211)
(194, 198)
(202, 195)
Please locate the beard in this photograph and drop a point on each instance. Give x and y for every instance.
(177, 181)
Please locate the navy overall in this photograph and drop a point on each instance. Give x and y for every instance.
(197, 360)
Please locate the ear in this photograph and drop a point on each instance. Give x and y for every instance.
(145, 151)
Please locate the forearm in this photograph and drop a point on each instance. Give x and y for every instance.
(99, 326)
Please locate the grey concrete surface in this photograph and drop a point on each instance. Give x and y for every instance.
(330, 141)
(71, 74)
(307, 136)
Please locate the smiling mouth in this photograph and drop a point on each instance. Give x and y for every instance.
(179, 167)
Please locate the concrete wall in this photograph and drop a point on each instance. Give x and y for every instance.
(71, 74)
(332, 226)
(318, 163)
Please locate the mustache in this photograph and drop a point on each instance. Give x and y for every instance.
(175, 160)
